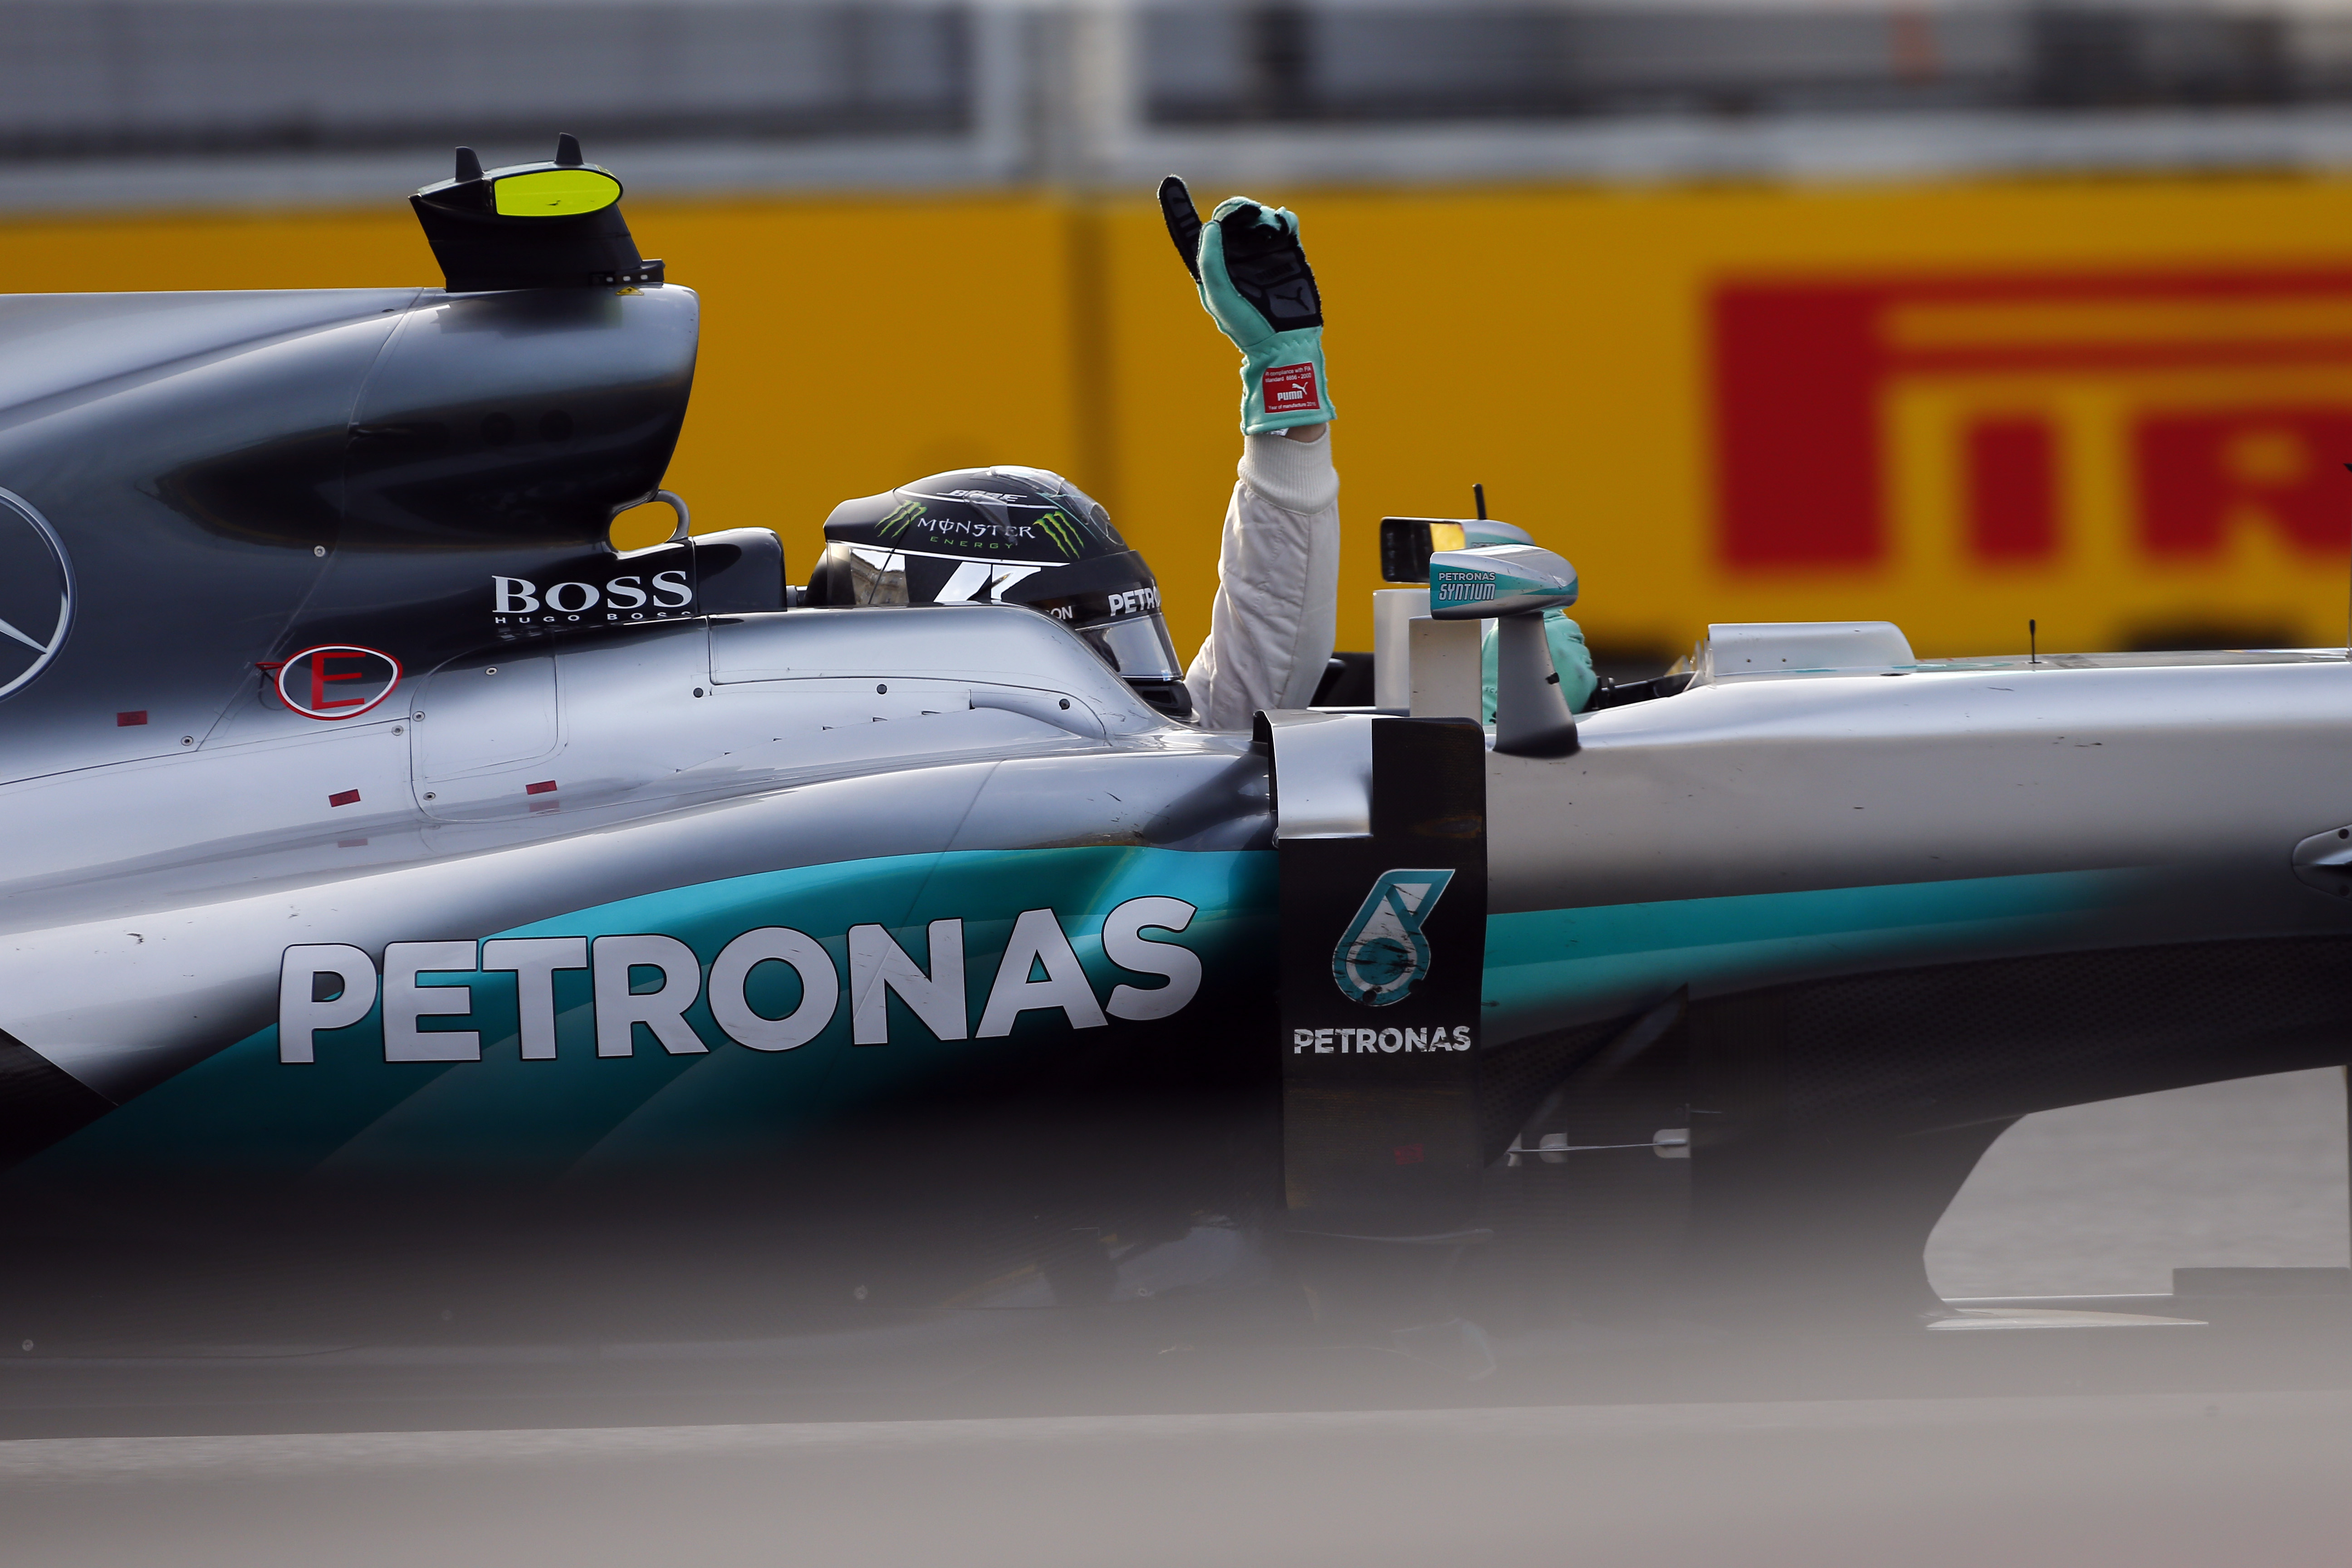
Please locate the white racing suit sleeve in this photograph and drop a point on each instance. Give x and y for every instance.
(1278, 604)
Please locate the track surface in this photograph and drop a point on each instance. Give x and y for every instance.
(2139, 1446)
(2146, 1480)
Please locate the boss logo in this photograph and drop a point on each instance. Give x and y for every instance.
(519, 601)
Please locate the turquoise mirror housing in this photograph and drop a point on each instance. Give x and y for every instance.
(1496, 580)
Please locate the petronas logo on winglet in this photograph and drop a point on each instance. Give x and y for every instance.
(899, 516)
(1062, 530)
(1384, 954)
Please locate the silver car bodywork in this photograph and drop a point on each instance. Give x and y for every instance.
(914, 947)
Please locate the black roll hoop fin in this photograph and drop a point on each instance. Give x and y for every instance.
(556, 225)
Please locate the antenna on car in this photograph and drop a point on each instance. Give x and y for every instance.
(1478, 498)
(2033, 648)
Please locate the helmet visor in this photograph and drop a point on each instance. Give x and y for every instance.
(1137, 646)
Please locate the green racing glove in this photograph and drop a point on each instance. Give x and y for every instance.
(1256, 285)
(1570, 659)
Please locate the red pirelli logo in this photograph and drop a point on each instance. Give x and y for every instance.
(2172, 410)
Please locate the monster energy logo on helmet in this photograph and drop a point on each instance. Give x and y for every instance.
(1062, 531)
(1006, 536)
(1384, 954)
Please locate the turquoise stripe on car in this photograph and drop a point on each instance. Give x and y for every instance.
(1545, 967)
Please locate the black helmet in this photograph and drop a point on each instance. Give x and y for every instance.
(1010, 536)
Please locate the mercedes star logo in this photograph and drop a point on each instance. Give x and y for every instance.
(36, 592)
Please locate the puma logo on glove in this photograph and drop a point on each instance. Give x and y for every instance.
(1255, 284)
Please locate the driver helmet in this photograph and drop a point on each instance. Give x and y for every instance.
(1006, 536)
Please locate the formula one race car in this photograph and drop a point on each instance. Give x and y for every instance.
(415, 909)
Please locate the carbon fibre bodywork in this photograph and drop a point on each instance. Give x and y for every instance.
(630, 952)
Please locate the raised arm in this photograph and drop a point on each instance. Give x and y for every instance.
(1271, 625)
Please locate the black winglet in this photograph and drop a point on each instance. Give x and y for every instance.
(1184, 222)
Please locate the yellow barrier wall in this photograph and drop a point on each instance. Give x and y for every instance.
(2120, 408)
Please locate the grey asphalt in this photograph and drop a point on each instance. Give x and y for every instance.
(2145, 1480)
(2100, 1199)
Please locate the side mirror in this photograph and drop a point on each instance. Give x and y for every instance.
(1513, 585)
(1408, 542)
(1498, 579)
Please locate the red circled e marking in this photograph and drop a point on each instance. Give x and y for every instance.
(331, 664)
